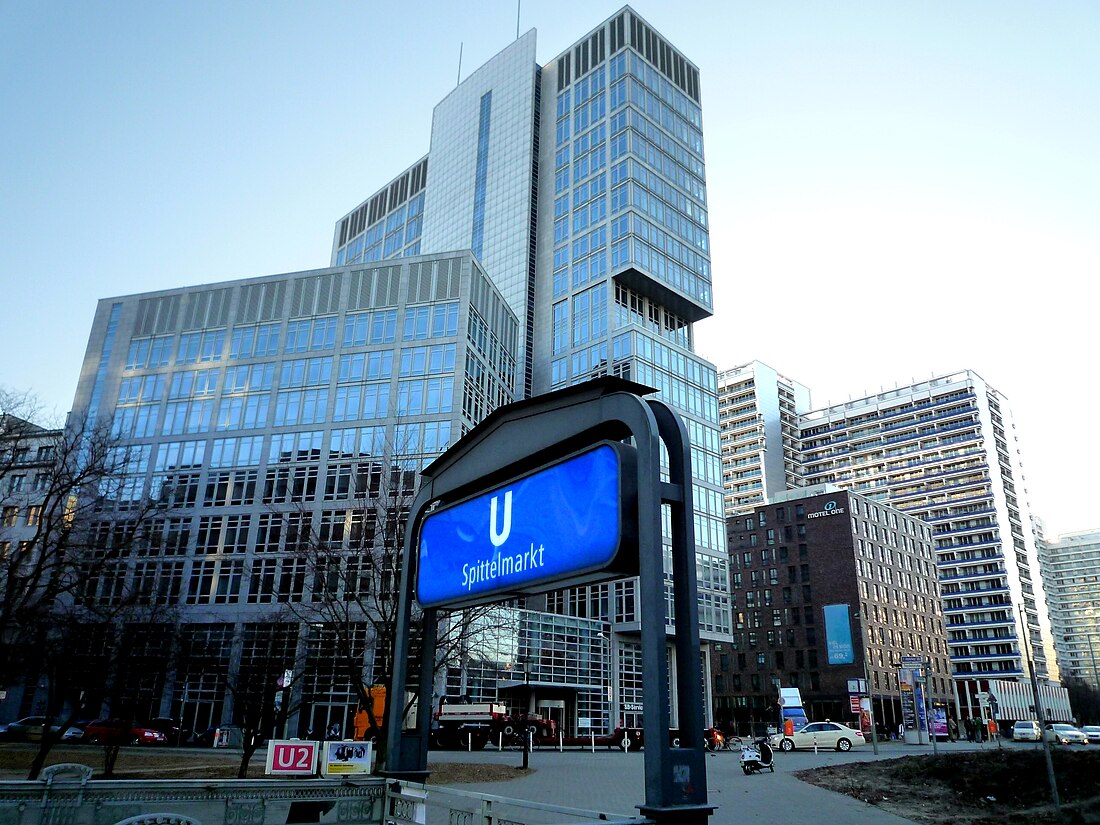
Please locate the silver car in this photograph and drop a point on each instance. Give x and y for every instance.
(1093, 733)
(1026, 731)
(1067, 735)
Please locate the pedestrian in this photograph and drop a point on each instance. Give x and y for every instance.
(901, 731)
(952, 730)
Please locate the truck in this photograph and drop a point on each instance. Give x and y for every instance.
(462, 724)
(792, 716)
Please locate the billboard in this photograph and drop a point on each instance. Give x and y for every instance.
(838, 635)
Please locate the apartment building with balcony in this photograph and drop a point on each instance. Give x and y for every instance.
(945, 451)
(1070, 568)
(758, 411)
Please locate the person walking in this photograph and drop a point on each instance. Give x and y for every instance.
(952, 730)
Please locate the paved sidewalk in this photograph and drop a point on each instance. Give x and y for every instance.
(612, 782)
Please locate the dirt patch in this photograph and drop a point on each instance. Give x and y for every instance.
(135, 763)
(458, 773)
(974, 788)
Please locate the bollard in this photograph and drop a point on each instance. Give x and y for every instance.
(592, 735)
(561, 742)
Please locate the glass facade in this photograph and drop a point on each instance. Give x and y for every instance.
(262, 427)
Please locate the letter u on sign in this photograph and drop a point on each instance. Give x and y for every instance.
(498, 538)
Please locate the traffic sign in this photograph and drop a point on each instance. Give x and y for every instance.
(854, 702)
(291, 757)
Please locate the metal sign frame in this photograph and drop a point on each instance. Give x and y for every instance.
(528, 434)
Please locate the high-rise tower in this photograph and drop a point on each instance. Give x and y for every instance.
(945, 450)
(580, 186)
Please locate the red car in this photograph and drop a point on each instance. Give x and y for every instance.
(119, 732)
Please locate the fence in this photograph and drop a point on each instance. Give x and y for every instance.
(66, 796)
(409, 803)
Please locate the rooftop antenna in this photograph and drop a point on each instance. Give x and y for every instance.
(459, 79)
(518, 4)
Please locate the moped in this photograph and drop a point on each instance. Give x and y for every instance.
(757, 756)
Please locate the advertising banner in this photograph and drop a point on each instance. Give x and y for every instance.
(838, 635)
(346, 758)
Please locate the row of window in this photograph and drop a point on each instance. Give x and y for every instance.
(307, 335)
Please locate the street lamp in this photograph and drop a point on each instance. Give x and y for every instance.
(1026, 649)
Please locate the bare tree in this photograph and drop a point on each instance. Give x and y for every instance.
(72, 513)
(352, 564)
(262, 685)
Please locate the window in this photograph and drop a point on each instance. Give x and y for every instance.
(34, 515)
(10, 514)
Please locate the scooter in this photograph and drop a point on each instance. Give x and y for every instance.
(757, 756)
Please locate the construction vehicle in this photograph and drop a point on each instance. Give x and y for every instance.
(461, 724)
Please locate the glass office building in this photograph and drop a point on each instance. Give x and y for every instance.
(268, 414)
(555, 231)
(580, 187)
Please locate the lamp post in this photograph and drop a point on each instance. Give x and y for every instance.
(1026, 649)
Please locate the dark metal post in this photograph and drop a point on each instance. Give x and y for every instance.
(1041, 715)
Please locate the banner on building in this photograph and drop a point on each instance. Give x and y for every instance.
(838, 635)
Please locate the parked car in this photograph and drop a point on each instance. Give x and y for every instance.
(169, 727)
(820, 735)
(1026, 730)
(27, 729)
(1093, 733)
(1067, 734)
(118, 732)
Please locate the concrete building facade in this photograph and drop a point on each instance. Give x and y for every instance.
(1071, 577)
(945, 451)
(758, 411)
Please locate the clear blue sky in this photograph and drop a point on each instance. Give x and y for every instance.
(897, 189)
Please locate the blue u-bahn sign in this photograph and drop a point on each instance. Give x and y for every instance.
(571, 522)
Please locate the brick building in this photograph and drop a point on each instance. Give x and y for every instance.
(826, 546)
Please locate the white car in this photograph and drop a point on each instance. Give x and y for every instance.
(1026, 731)
(1093, 733)
(820, 735)
(1067, 735)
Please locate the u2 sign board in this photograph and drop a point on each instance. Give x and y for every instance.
(293, 757)
(571, 522)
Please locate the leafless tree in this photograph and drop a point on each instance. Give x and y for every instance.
(73, 513)
(353, 570)
(262, 686)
